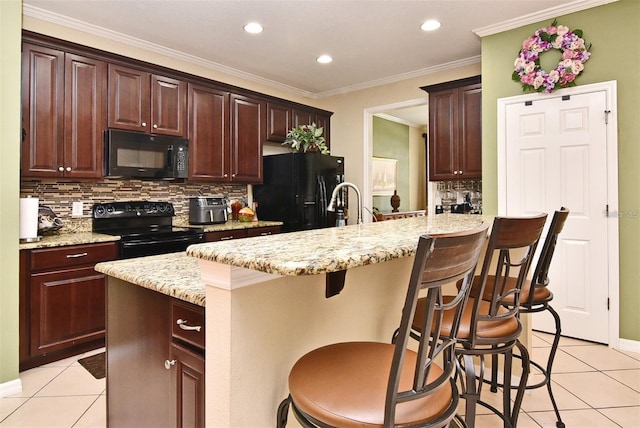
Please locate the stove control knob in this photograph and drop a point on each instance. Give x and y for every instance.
(110, 209)
(154, 208)
(99, 211)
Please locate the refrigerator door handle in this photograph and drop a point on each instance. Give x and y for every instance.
(322, 193)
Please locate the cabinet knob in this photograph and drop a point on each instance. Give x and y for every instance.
(183, 325)
(61, 168)
(226, 175)
(68, 169)
(233, 175)
(455, 172)
(155, 126)
(144, 123)
(169, 363)
(459, 172)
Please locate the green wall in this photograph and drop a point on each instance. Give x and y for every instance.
(10, 28)
(614, 31)
(391, 140)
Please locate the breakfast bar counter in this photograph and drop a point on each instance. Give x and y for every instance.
(262, 303)
(266, 304)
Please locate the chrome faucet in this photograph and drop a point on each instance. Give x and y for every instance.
(334, 197)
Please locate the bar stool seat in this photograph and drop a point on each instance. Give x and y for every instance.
(351, 390)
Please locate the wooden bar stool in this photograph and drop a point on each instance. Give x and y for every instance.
(535, 297)
(375, 384)
(491, 326)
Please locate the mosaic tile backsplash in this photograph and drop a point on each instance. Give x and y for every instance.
(61, 195)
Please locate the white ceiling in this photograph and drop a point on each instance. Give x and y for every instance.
(372, 41)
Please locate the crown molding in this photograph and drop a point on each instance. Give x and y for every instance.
(532, 18)
(404, 76)
(74, 24)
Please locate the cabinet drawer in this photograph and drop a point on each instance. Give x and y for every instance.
(187, 323)
(263, 231)
(72, 255)
(225, 235)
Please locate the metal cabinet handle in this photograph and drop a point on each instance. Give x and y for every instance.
(226, 238)
(169, 363)
(76, 256)
(183, 325)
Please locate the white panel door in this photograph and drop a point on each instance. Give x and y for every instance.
(556, 156)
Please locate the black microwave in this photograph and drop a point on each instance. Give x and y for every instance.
(138, 155)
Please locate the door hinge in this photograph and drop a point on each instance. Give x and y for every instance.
(606, 116)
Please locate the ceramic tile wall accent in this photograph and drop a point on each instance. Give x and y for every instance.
(454, 191)
(60, 195)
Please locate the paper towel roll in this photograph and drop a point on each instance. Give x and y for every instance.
(29, 218)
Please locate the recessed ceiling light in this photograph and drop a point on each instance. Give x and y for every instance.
(324, 59)
(430, 25)
(253, 28)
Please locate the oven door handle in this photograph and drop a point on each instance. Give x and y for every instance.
(137, 243)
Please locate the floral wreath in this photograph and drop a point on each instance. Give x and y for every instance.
(574, 54)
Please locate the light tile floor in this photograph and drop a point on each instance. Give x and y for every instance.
(594, 386)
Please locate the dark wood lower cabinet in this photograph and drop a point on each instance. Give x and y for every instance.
(188, 386)
(155, 377)
(62, 302)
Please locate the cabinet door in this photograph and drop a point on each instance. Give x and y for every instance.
(168, 106)
(129, 99)
(303, 117)
(470, 145)
(42, 107)
(278, 122)
(443, 128)
(139, 385)
(248, 117)
(85, 116)
(324, 122)
(67, 308)
(189, 386)
(208, 134)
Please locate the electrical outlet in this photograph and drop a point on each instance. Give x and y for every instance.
(77, 209)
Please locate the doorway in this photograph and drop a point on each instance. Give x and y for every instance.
(415, 114)
(561, 150)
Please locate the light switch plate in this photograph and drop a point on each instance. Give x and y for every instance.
(77, 209)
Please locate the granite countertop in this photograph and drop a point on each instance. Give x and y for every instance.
(333, 249)
(70, 238)
(78, 232)
(174, 274)
(183, 221)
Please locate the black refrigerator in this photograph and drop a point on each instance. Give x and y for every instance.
(297, 188)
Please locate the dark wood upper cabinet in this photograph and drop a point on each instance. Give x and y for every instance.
(455, 130)
(279, 120)
(248, 121)
(63, 113)
(226, 133)
(282, 117)
(208, 133)
(141, 101)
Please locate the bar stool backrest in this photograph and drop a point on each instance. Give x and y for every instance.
(541, 272)
(511, 246)
(439, 261)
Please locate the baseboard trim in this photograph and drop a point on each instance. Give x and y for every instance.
(629, 345)
(10, 388)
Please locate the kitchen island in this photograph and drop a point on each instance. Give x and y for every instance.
(266, 303)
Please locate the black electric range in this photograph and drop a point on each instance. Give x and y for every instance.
(145, 228)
